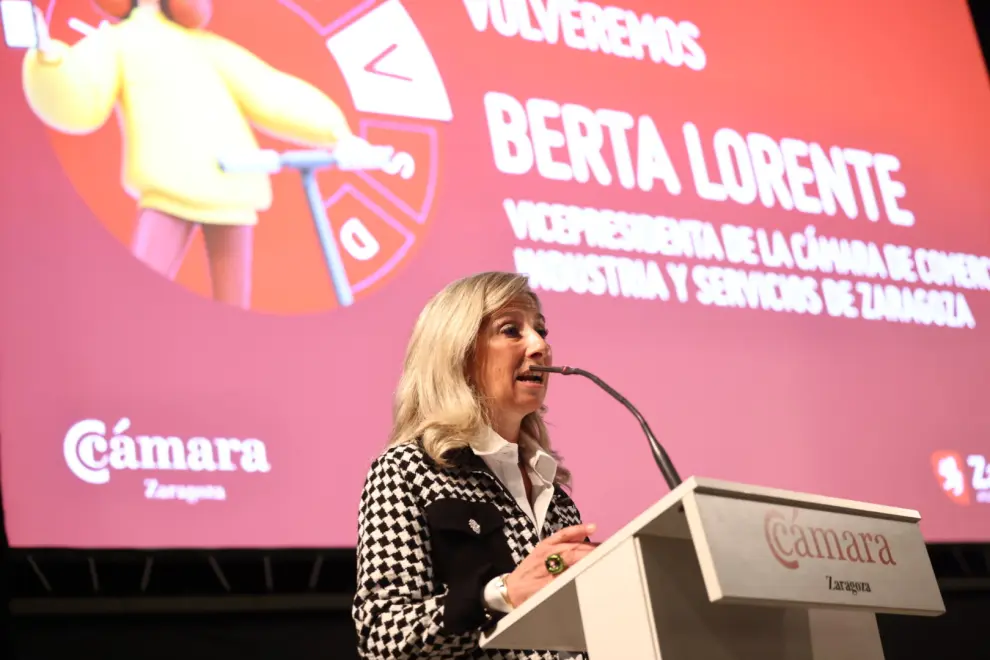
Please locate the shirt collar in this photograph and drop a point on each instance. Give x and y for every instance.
(490, 445)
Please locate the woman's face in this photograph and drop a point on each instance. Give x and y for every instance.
(508, 344)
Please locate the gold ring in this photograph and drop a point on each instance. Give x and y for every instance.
(555, 564)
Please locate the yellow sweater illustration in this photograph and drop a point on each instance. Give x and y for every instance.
(184, 99)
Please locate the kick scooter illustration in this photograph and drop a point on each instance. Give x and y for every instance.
(357, 156)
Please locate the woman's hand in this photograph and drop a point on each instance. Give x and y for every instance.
(44, 45)
(355, 153)
(531, 574)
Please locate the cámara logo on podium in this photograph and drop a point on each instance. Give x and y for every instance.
(791, 542)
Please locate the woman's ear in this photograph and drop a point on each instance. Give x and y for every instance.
(474, 365)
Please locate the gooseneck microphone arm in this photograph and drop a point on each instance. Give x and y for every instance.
(659, 454)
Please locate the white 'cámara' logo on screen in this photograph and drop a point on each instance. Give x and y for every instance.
(93, 456)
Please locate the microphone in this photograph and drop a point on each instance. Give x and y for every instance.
(659, 454)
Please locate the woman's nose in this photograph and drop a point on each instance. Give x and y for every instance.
(537, 346)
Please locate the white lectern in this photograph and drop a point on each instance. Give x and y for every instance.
(720, 571)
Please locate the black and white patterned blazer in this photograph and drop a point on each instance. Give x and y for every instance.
(429, 540)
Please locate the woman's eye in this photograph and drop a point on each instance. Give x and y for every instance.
(543, 332)
(510, 330)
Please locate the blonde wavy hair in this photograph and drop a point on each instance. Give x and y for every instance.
(435, 401)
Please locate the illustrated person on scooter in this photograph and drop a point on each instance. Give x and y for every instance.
(184, 96)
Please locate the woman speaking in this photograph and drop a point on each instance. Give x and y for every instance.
(463, 517)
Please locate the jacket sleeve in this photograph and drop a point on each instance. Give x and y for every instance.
(74, 89)
(398, 612)
(280, 104)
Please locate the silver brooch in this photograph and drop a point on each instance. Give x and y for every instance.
(475, 527)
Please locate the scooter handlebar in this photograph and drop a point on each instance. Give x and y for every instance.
(267, 161)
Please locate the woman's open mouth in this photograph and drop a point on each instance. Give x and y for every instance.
(530, 377)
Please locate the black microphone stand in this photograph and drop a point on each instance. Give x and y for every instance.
(659, 453)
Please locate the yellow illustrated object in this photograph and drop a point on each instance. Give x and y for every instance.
(184, 98)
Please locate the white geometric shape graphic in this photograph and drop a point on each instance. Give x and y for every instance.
(388, 67)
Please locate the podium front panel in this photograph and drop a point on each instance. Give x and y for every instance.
(781, 554)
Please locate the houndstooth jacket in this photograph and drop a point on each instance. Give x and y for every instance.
(429, 539)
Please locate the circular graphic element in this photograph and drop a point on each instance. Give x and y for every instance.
(371, 61)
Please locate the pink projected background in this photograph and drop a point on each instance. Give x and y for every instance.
(660, 178)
